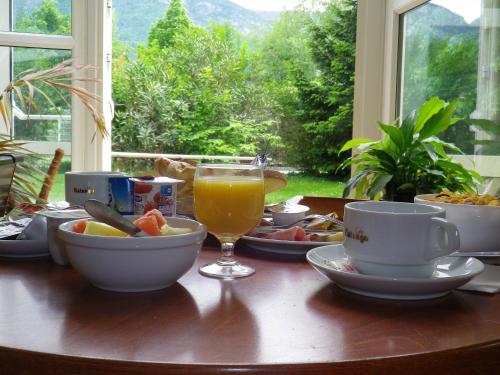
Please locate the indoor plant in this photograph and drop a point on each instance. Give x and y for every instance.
(410, 159)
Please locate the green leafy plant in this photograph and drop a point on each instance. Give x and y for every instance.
(410, 159)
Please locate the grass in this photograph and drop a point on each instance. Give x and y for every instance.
(57, 192)
(298, 184)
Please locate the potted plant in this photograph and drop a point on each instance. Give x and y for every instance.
(410, 159)
(25, 90)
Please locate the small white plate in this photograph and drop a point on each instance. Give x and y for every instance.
(23, 248)
(282, 247)
(450, 273)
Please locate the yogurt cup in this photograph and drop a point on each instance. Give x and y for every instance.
(159, 193)
(54, 219)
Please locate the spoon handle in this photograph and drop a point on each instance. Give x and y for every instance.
(109, 216)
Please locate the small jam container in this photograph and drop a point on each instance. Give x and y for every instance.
(288, 213)
(54, 219)
(159, 193)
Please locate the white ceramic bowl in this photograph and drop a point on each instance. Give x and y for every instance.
(478, 226)
(133, 264)
(288, 213)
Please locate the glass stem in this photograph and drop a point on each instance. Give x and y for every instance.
(227, 258)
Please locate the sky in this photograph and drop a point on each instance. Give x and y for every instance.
(469, 9)
(275, 5)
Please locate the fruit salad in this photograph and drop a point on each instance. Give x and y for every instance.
(152, 223)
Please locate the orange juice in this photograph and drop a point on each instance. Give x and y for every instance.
(229, 205)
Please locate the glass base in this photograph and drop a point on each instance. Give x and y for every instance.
(226, 272)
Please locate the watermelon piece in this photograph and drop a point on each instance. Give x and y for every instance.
(148, 224)
(158, 216)
(79, 226)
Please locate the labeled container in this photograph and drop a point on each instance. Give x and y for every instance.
(159, 193)
(121, 194)
(81, 186)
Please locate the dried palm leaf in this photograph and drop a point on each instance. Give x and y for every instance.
(64, 77)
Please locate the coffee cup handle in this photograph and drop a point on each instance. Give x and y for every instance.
(453, 242)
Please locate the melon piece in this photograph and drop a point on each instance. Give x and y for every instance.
(169, 231)
(158, 215)
(80, 226)
(100, 229)
(148, 224)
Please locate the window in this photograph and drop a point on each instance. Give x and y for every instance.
(450, 49)
(405, 51)
(38, 34)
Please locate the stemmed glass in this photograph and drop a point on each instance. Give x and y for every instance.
(229, 200)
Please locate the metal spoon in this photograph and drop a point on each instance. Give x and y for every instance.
(107, 215)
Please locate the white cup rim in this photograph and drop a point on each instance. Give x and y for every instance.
(369, 207)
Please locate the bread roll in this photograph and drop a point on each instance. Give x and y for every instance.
(273, 180)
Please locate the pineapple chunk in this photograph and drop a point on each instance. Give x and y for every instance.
(101, 229)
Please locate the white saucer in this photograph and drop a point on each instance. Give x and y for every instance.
(23, 248)
(450, 273)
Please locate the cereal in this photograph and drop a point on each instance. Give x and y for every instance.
(466, 198)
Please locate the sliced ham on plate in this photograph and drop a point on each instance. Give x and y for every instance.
(290, 234)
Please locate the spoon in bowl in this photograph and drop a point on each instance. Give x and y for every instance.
(107, 215)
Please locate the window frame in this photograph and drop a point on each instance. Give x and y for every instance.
(376, 74)
(376, 70)
(90, 43)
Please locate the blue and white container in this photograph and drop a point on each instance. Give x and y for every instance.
(121, 194)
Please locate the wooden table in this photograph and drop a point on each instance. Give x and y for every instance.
(285, 319)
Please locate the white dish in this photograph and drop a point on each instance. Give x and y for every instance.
(24, 248)
(478, 225)
(133, 264)
(450, 273)
(282, 247)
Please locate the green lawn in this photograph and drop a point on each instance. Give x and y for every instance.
(57, 192)
(297, 185)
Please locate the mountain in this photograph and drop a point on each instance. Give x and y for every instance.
(134, 18)
(435, 20)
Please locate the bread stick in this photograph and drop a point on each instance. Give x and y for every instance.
(48, 182)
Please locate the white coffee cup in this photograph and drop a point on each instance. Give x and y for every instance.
(397, 239)
(80, 186)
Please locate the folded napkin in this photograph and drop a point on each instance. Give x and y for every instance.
(487, 281)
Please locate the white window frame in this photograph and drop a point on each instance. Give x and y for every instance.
(375, 87)
(376, 76)
(90, 44)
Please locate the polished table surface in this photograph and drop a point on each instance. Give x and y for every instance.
(287, 318)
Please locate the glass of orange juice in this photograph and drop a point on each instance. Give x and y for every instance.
(229, 200)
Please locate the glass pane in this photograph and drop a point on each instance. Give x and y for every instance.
(46, 124)
(450, 49)
(36, 16)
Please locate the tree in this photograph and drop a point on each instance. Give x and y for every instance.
(46, 19)
(325, 106)
(197, 96)
(170, 26)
